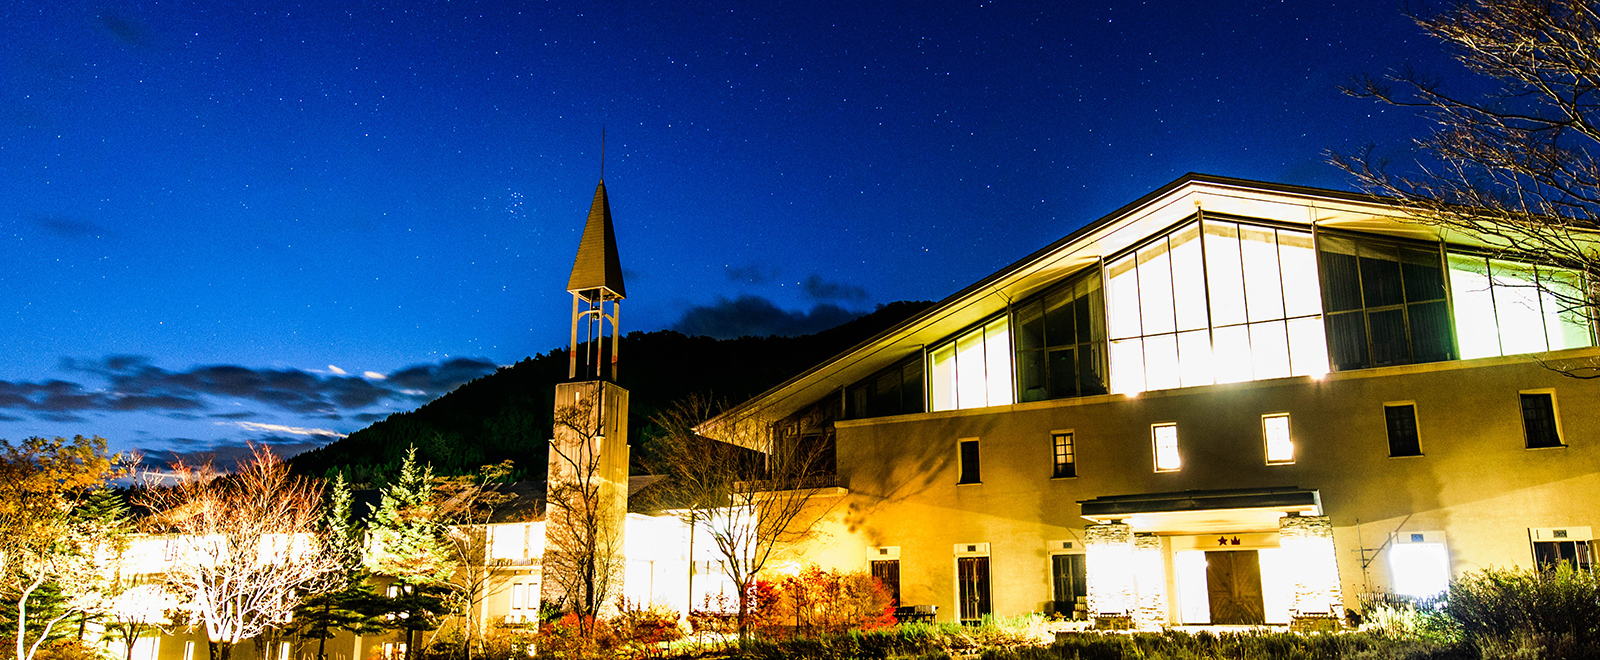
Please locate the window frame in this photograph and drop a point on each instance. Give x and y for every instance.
(1155, 446)
(1056, 455)
(1416, 428)
(1441, 254)
(1092, 349)
(1555, 419)
(952, 341)
(1258, 346)
(1542, 273)
(964, 475)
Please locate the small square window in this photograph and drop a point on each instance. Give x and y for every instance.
(1539, 420)
(1401, 421)
(1065, 459)
(1275, 431)
(969, 461)
(1165, 437)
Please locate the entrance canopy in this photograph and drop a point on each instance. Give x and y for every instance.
(1204, 511)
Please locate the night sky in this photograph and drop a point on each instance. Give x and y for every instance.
(277, 222)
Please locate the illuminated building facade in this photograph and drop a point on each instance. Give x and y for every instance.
(1228, 402)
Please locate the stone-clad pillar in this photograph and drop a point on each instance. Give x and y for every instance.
(1108, 568)
(1308, 542)
(1150, 582)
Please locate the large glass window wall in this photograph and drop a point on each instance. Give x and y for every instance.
(893, 391)
(1215, 302)
(1061, 341)
(974, 369)
(1385, 303)
(1506, 308)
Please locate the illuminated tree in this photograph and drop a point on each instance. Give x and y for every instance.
(46, 543)
(752, 490)
(468, 503)
(247, 551)
(406, 541)
(1516, 169)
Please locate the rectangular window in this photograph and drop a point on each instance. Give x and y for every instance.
(1401, 421)
(974, 369)
(1215, 302)
(1071, 585)
(1280, 447)
(1165, 437)
(896, 390)
(1061, 343)
(1385, 303)
(1065, 460)
(969, 461)
(1547, 555)
(973, 575)
(888, 574)
(1506, 308)
(1539, 420)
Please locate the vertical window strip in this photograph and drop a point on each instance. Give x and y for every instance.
(970, 467)
(1065, 458)
(1280, 445)
(1165, 439)
(1539, 420)
(1400, 421)
(974, 369)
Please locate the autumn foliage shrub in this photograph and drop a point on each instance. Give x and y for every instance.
(817, 602)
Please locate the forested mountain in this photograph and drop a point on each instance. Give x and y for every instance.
(507, 414)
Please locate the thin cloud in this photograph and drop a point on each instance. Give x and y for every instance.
(758, 317)
(69, 227)
(336, 370)
(280, 428)
(750, 274)
(821, 290)
(133, 383)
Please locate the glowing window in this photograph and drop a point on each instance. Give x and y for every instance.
(1280, 448)
(1215, 302)
(974, 369)
(1065, 460)
(1506, 308)
(1165, 437)
(1420, 570)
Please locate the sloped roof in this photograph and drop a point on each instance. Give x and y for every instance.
(1083, 248)
(597, 265)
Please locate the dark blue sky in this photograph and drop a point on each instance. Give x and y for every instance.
(277, 221)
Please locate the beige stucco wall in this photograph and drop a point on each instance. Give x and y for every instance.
(1475, 481)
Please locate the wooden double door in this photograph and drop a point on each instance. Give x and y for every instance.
(1233, 586)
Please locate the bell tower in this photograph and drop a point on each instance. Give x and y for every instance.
(586, 490)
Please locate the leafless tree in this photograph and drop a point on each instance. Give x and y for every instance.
(583, 557)
(246, 548)
(1516, 169)
(751, 489)
(468, 503)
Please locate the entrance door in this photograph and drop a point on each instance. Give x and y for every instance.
(1233, 585)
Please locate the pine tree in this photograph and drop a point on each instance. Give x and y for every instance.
(406, 542)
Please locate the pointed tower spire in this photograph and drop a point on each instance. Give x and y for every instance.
(597, 272)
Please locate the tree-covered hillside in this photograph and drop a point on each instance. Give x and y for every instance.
(507, 414)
